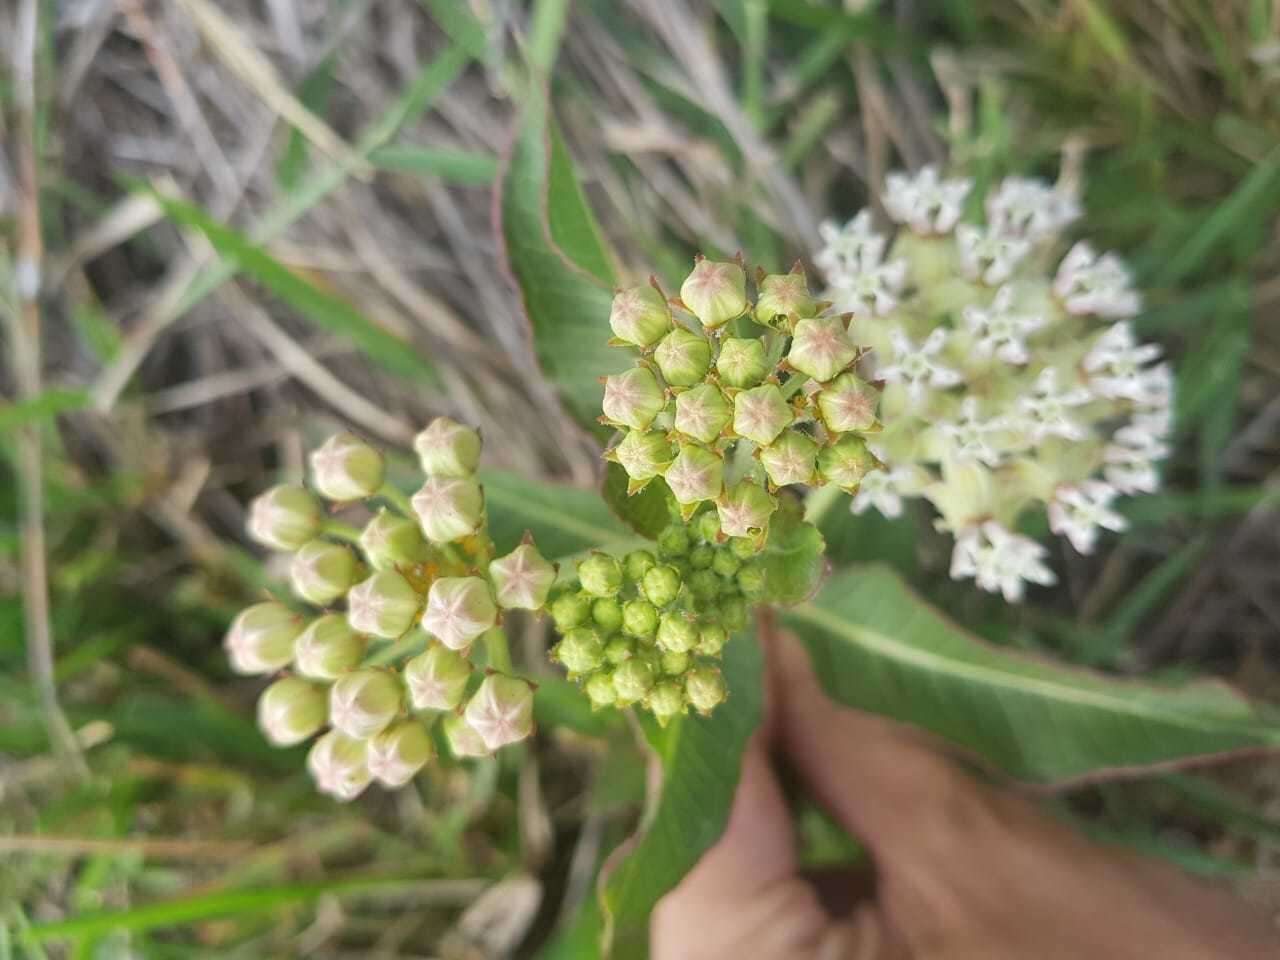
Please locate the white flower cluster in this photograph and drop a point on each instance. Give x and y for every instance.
(1009, 384)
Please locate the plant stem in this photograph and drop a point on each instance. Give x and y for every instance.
(397, 499)
(499, 654)
(340, 531)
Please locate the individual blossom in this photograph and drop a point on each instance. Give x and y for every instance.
(449, 508)
(696, 474)
(459, 609)
(639, 315)
(437, 678)
(1000, 561)
(970, 437)
(989, 255)
(848, 404)
(925, 202)
(744, 509)
(390, 541)
(884, 490)
(1131, 459)
(285, 517)
(1047, 411)
(918, 368)
(633, 398)
(1030, 208)
(820, 348)
(864, 284)
(702, 413)
(847, 249)
(447, 448)
(782, 296)
(346, 468)
(1080, 511)
(715, 292)
(261, 638)
(365, 701)
(292, 710)
(322, 572)
(501, 711)
(385, 605)
(1098, 285)
(328, 648)
(998, 330)
(396, 754)
(337, 765)
(666, 701)
(522, 579)
(760, 414)
(791, 458)
(1117, 366)
(683, 357)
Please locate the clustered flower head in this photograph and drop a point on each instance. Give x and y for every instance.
(1012, 376)
(423, 573)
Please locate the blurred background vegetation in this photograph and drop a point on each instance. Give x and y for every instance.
(265, 218)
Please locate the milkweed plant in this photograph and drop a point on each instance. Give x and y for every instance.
(970, 364)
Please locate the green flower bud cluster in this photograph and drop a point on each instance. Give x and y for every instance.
(718, 374)
(648, 628)
(421, 572)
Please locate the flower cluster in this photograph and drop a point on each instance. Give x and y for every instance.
(1009, 382)
(402, 602)
(730, 399)
(648, 629)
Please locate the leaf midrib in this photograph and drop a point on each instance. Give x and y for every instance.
(566, 522)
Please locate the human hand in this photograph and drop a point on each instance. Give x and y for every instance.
(963, 870)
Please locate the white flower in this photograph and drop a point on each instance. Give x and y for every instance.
(969, 437)
(1130, 457)
(999, 330)
(849, 247)
(884, 490)
(1155, 391)
(1115, 365)
(916, 367)
(1079, 512)
(1030, 208)
(873, 289)
(988, 255)
(1047, 411)
(999, 561)
(1090, 284)
(925, 202)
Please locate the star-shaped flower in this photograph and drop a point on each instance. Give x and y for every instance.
(917, 367)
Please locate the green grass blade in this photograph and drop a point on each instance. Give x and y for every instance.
(464, 167)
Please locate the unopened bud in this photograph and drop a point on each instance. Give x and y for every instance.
(637, 563)
(337, 764)
(661, 585)
(666, 701)
(328, 648)
(633, 398)
(695, 475)
(606, 614)
(437, 679)
(522, 579)
(321, 571)
(285, 517)
(399, 752)
(643, 455)
(745, 509)
(459, 609)
(702, 412)
(385, 605)
(704, 585)
(600, 691)
(741, 362)
(639, 618)
(792, 458)
(449, 508)
(848, 404)
(846, 462)
(675, 664)
(761, 413)
(821, 349)
(632, 681)
(707, 526)
(501, 711)
(640, 315)
(677, 633)
(732, 613)
(726, 562)
(261, 638)
(390, 541)
(744, 548)
(600, 575)
(752, 581)
(674, 541)
(781, 296)
(701, 556)
(463, 740)
(447, 448)
(683, 357)
(705, 688)
(581, 651)
(346, 468)
(364, 702)
(291, 710)
(570, 610)
(715, 292)
(617, 650)
(711, 639)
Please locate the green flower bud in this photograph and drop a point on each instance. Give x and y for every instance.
(707, 527)
(337, 764)
(661, 585)
(761, 413)
(261, 638)
(742, 362)
(666, 701)
(633, 398)
(704, 585)
(640, 315)
(677, 633)
(848, 404)
(600, 691)
(328, 648)
(711, 639)
(446, 448)
(449, 508)
(745, 509)
(285, 517)
(792, 458)
(385, 605)
(606, 614)
(715, 292)
(346, 468)
(321, 571)
(643, 455)
(459, 609)
(617, 650)
(675, 664)
(701, 556)
(726, 562)
(683, 357)
(639, 618)
(733, 613)
(581, 651)
(501, 711)
(673, 541)
(463, 740)
(396, 754)
(291, 710)
(820, 348)
(695, 475)
(637, 563)
(705, 688)
(781, 296)
(632, 681)
(846, 462)
(744, 548)
(522, 579)
(437, 678)
(751, 581)
(570, 610)
(390, 541)
(702, 412)
(364, 702)
(600, 575)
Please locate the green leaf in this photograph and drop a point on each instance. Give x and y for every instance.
(456, 166)
(44, 406)
(879, 647)
(793, 556)
(646, 512)
(563, 520)
(701, 758)
(559, 703)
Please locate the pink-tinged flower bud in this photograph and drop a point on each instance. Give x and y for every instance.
(600, 575)
(821, 349)
(501, 711)
(459, 609)
(846, 462)
(346, 468)
(792, 458)
(666, 701)
(463, 740)
(365, 701)
(385, 605)
(783, 295)
(716, 292)
(321, 571)
(449, 508)
(261, 638)
(695, 475)
(633, 398)
(399, 752)
(437, 679)
(742, 362)
(702, 412)
(745, 509)
(640, 315)
(522, 579)
(337, 765)
(292, 709)
(848, 404)
(581, 651)
(285, 517)
(390, 541)
(677, 632)
(705, 688)
(761, 413)
(446, 448)
(643, 455)
(683, 357)
(328, 648)
(632, 681)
